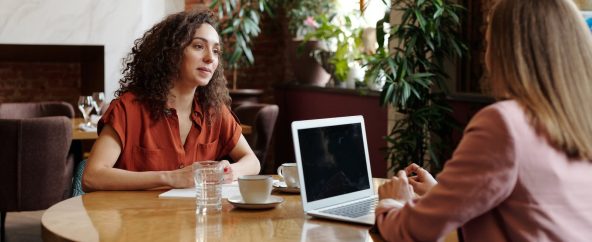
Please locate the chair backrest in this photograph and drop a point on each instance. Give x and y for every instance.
(35, 159)
(35, 110)
(36, 170)
(262, 117)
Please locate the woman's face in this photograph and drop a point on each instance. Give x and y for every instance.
(200, 57)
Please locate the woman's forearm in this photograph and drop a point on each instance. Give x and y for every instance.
(118, 179)
(247, 165)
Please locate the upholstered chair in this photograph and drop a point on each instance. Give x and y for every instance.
(262, 119)
(35, 110)
(36, 166)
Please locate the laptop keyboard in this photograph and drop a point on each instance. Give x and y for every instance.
(354, 210)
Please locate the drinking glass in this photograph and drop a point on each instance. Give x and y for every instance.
(208, 227)
(86, 105)
(208, 177)
(99, 99)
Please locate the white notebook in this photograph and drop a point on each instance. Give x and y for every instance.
(228, 190)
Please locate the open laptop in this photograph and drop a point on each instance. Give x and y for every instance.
(334, 169)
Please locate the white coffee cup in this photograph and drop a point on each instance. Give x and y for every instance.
(255, 188)
(289, 172)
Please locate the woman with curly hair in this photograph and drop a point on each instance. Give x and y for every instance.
(171, 110)
(523, 169)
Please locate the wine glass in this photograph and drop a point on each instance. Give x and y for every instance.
(86, 105)
(99, 100)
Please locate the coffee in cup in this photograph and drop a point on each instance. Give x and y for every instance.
(289, 172)
(255, 188)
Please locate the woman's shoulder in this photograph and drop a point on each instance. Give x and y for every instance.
(226, 114)
(126, 99)
(508, 109)
(506, 106)
(125, 104)
(507, 115)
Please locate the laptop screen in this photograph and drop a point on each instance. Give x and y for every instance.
(333, 160)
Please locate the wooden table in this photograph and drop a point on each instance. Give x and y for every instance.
(142, 216)
(78, 134)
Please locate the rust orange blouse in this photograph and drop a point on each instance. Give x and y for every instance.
(155, 145)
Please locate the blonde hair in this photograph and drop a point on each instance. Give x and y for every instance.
(540, 54)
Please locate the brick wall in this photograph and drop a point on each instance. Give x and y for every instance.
(270, 59)
(190, 4)
(33, 73)
(39, 81)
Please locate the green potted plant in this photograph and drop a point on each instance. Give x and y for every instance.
(239, 24)
(303, 18)
(427, 34)
(301, 13)
(342, 45)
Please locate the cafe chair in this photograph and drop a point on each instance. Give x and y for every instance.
(262, 118)
(77, 179)
(35, 159)
(35, 110)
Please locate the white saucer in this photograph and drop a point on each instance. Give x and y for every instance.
(271, 202)
(282, 187)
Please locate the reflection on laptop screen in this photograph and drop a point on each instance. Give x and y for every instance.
(333, 160)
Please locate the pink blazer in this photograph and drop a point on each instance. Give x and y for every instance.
(505, 182)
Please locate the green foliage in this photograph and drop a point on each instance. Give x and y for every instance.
(299, 10)
(239, 25)
(415, 80)
(347, 41)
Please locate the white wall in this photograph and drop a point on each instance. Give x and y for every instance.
(115, 24)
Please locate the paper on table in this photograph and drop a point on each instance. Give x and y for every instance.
(86, 128)
(228, 190)
(94, 119)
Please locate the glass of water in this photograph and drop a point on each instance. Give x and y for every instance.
(99, 100)
(208, 227)
(86, 105)
(208, 177)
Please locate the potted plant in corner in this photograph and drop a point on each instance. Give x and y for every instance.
(342, 49)
(303, 18)
(239, 24)
(426, 36)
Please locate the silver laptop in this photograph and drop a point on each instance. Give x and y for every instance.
(334, 169)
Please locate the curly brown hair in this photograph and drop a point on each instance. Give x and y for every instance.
(154, 62)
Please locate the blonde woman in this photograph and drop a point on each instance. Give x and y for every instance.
(523, 169)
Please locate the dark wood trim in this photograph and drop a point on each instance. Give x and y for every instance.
(471, 67)
(2, 223)
(358, 92)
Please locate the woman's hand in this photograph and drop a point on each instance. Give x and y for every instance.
(423, 181)
(397, 188)
(180, 178)
(228, 172)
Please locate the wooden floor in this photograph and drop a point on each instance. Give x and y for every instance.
(23, 226)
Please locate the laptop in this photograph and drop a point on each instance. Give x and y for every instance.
(334, 169)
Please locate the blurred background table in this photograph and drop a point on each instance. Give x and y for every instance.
(78, 134)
